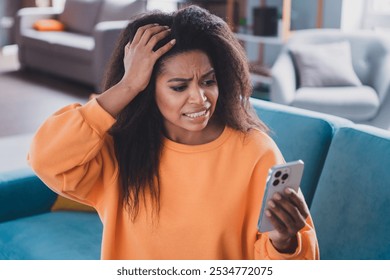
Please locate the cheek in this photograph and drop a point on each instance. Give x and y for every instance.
(167, 104)
(213, 96)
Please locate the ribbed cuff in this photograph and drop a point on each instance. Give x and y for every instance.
(98, 118)
(275, 254)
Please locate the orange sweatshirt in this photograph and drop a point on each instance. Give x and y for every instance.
(211, 194)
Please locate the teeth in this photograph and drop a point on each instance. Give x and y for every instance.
(196, 115)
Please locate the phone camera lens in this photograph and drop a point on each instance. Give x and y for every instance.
(277, 174)
(285, 176)
(275, 183)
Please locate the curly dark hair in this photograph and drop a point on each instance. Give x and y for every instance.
(138, 132)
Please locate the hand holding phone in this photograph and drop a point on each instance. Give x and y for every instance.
(280, 177)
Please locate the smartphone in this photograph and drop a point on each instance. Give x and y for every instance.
(280, 177)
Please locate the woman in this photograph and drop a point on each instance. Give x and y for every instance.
(171, 155)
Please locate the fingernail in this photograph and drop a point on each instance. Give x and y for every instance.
(271, 204)
(166, 26)
(173, 42)
(288, 190)
(155, 24)
(268, 213)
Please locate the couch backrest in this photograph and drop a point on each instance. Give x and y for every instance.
(351, 205)
(368, 49)
(300, 134)
(35, 199)
(80, 16)
(121, 10)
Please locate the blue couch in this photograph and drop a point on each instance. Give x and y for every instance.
(346, 184)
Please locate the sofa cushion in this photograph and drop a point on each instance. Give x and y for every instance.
(57, 235)
(354, 103)
(121, 10)
(351, 205)
(300, 134)
(72, 45)
(80, 15)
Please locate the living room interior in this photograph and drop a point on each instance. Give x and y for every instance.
(320, 72)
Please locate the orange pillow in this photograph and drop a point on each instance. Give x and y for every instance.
(63, 204)
(48, 25)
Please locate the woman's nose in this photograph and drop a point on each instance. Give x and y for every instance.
(197, 95)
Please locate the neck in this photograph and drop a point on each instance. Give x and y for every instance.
(211, 132)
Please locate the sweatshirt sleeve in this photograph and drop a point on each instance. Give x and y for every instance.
(307, 246)
(307, 240)
(73, 153)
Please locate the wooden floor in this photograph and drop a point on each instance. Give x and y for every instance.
(27, 98)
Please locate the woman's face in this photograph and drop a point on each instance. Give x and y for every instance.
(186, 94)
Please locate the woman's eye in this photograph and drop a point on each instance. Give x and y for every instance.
(209, 82)
(179, 88)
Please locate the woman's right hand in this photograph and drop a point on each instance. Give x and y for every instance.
(139, 60)
(139, 56)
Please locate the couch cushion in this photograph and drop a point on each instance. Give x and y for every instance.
(121, 10)
(351, 205)
(80, 15)
(57, 235)
(300, 134)
(354, 103)
(70, 44)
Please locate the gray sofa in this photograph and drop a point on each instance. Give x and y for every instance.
(82, 51)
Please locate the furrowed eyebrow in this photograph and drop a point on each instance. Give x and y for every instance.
(180, 80)
(212, 71)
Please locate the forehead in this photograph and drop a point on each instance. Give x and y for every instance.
(186, 64)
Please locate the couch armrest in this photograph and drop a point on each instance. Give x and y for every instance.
(23, 194)
(283, 79)
(381, 81)
(25, 20)
(106, 34)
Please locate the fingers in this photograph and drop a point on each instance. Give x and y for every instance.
(165, 48)
(298, 200)
(148, 36)
(153, 32)
(287, 212)
(140, 32)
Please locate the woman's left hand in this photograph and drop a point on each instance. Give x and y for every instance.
(287, 212)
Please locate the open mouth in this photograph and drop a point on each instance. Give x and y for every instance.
(203, 112)
(197, 114)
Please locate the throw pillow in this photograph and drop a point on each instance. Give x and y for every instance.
(48, 25)
(80, 15)
(65, 204)
(325, 65)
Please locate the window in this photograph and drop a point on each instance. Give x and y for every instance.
(165, 6)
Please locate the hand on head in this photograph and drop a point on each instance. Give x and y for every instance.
(140, 57)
